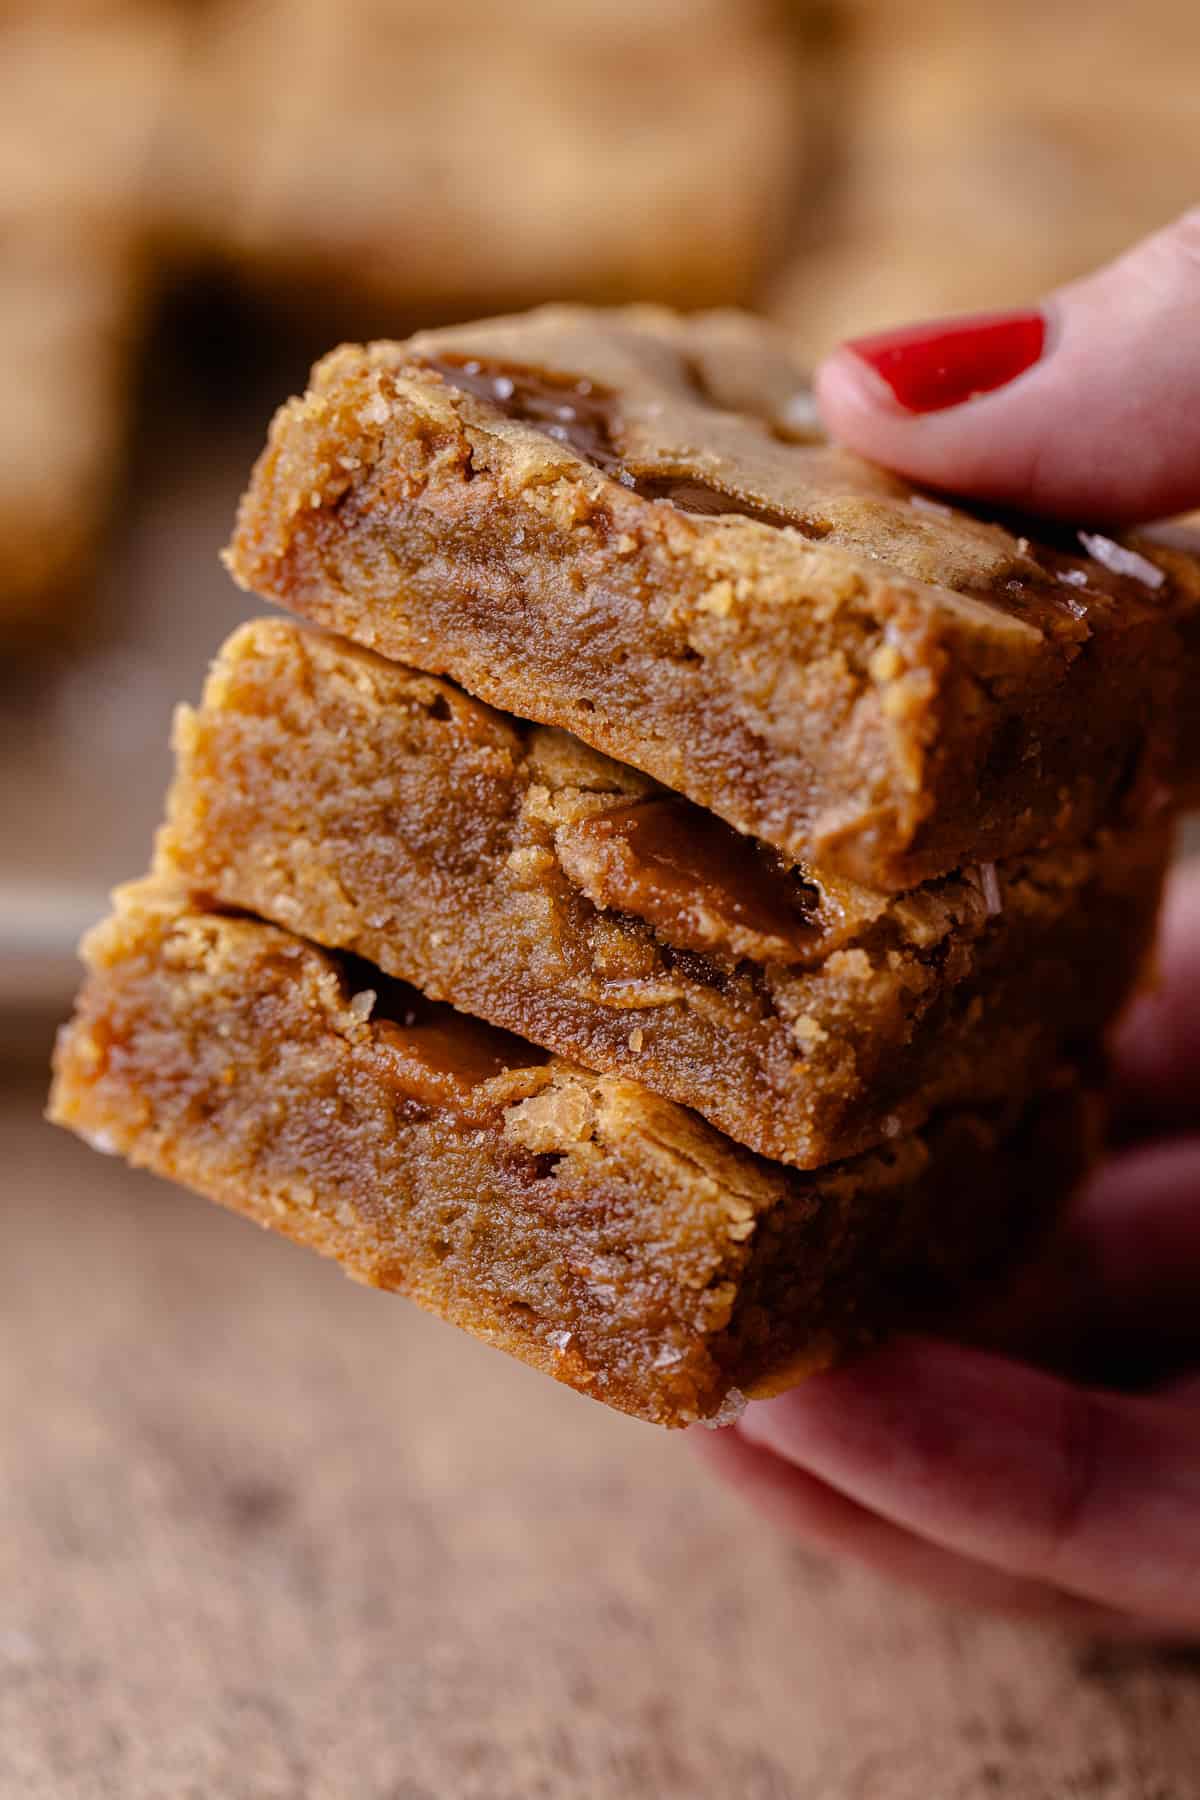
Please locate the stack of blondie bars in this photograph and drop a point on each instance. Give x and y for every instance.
(662, 907)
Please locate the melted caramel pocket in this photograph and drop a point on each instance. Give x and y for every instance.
(581, 414)
(699, 884)
(568, 408)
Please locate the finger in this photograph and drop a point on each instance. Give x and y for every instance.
(1120, 1280)
(1157, 1050)
(1088, 407)
(1082, 1490)
(1141, 1220)
(825, 1521)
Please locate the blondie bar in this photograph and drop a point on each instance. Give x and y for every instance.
(974, 177)
(81, 101)
(69, 309)
(404, 156)
(574, 1220)
(525, 878)
(625, 524)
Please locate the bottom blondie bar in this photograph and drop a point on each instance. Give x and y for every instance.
(577, 1221)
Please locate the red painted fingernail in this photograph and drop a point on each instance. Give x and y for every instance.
(929, 367)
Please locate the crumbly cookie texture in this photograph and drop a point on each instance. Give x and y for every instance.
(627, 525)
(532, 881)
(443, 163)
(574, 1220)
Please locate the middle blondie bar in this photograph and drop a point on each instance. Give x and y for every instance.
(531, 881)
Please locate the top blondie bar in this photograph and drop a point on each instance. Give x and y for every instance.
(628, 524)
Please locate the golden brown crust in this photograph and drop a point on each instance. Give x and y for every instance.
(574, 1220)
(535, 883)
(885, 686)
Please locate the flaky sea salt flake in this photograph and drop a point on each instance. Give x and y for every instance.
(728, 1413)
(1121, 560)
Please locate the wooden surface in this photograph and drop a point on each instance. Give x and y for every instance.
(265, 1535)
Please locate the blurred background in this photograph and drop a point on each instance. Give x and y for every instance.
(196, 198)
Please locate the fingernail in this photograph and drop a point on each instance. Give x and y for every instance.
(930, 367)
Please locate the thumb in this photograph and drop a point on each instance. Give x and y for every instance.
(1086, 407)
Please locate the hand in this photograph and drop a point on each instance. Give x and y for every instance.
(1085, 408)
(984, 1476)
(1016, 1470)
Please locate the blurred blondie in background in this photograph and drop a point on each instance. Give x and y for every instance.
(197, 196)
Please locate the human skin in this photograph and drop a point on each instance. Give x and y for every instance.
(1051, 1465)
(1012, 1472)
